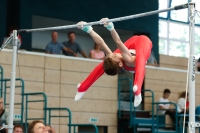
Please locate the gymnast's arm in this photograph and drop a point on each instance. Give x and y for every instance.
(97, 39)
(124, 50)
(98, 71)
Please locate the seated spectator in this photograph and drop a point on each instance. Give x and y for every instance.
(3, 112)
(183, 105)
(37, 127)
(97, 53)
(55, 47)
(18, 129)
(3, 116)
(164, 99)
(50, 129)
(152, 60)
(182, 102)
(74, 46)
(165, 107)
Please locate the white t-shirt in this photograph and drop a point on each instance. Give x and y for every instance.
(181, 104)
(166, 106)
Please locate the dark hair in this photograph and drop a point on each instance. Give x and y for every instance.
(71, 32)
(111, 67)
(18, 126)
(166, 91)
(183, 94)
(32, 125)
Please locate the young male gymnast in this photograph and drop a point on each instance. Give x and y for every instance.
(131, 56)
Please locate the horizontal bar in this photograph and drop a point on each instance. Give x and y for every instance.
(5, 79)
(59, 116)
(34, 118)
(14, 103)
(15, 86)
(110, 20)
(34, 93)
(36, 101)
(82, 125)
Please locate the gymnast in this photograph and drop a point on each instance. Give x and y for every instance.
(131, 56)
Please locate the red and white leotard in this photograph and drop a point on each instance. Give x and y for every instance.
(142, 46)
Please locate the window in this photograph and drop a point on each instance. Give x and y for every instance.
(179, 15)
(162, 46)
(197, 6)
(162, 28)
(174, 30)
(197, 34)
(177, 48)
(163, 4)
(178, 31)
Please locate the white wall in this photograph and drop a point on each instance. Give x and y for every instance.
(40, 39)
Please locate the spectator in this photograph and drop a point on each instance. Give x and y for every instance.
(3, 112)
(165, 107)
(182, 103)
(3, 116)
(198, 65)
(97, 53)
(55, 47)
(164, 99)
(50, 129)
(18, 129)
(37, 127)
(74, 46)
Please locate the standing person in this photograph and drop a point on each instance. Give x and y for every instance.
(74, 46)
(97, 53)
(54, 47)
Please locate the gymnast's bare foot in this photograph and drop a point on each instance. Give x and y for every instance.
(138, 98)
(79, 95)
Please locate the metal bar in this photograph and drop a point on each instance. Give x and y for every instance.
(36, 101)
(192, 63)
(45, 106)
(22, 100)
(26, 114)
(111, 20)
(49, 117)
(15, 86)
(34, 118)
(2, 77)
(12, 88)
(59, 116)
(5, 94)
(14, 103)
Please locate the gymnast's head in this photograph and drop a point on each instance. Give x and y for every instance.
(113, 64)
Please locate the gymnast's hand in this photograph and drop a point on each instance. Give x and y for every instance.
(108, 25)
(87, 29)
